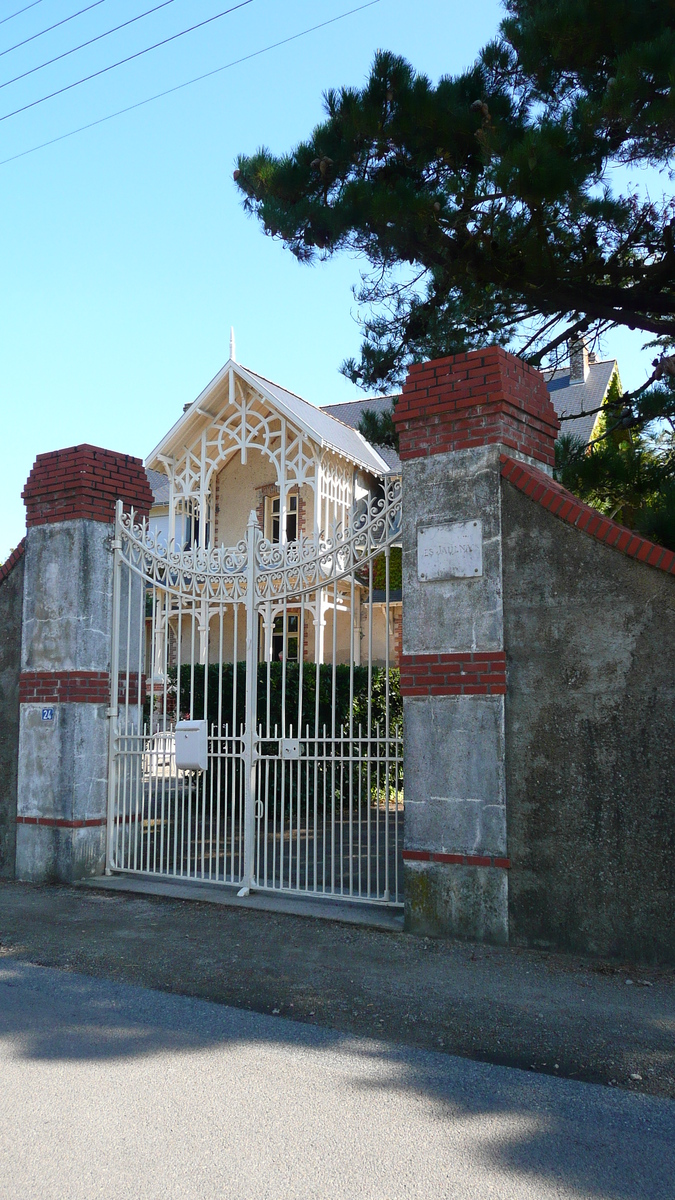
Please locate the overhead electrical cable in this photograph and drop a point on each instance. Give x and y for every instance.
(99, 37)
(188, 82)
(49, 28)
(19, 12)
(130, 58)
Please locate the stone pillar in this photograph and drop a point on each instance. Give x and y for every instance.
(64, 687)
(454, 418)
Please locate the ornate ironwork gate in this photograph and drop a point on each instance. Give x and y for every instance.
(287, 652)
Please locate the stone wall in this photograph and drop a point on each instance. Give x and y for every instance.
(589, 635)
(11, 602)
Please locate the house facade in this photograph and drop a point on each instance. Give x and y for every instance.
(248, 445)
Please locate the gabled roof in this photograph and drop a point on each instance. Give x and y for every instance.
(328, 431)
(570, 399)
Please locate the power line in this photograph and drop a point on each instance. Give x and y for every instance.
(139, 53)
(188, 82)
(19, 12)
(91, 41)
(49, 28)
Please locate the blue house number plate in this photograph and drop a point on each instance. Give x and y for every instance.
(48, 714)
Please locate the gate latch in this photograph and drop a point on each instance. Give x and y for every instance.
(290, 749)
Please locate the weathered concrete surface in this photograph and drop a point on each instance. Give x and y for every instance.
(68, 604)
(453, 614)
(454, 745)
(11, 607)
(469, 902)
(454, 788)
(63, 763)
(590, 741)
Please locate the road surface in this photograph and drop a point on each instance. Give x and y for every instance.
(112, 1090)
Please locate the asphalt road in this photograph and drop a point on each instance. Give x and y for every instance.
(113, 1090)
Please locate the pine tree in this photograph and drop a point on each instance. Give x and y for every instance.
(485, 204)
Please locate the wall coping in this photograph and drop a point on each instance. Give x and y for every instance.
(7, 567)
(84, 482)
(563, 504)
(481, 398)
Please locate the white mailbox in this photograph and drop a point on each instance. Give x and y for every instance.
(192, 753)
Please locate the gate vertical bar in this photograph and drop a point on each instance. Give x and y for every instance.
(250, 706)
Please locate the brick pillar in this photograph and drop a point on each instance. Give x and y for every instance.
(64, 687)
(454, 418)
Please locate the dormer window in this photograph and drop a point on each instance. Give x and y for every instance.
(273, 523)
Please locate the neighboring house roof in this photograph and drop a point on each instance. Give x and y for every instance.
(351, 413)
(580, 398)
(159, 485)
(568, 400)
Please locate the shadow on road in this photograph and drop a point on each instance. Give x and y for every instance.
(575, 1139)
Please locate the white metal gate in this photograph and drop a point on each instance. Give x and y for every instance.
(288, 652)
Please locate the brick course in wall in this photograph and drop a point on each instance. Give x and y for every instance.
(486, 397)
(76, 687)
(460, 860)
(64, 687)
(10, 563)
(84, 482)
(461, 674)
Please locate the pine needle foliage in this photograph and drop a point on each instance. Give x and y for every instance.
(487, 204)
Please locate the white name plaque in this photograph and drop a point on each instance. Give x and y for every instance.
(450, 551)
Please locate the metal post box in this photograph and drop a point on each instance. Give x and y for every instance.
(192, 746)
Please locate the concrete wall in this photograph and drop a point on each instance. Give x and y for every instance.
(454, 744)
(590, 752)
(63, 763)
(11, 602)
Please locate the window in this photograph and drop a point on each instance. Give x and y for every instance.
(292, 626)
(273, 523)
(191, 510)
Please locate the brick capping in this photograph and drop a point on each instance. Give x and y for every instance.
(58, 823)
(460, 860)
(9, 565)
(84, 482)
(482, 398)
(64, 687)
(470, 673)
(562, 504)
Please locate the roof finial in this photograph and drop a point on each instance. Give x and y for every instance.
(233, 349)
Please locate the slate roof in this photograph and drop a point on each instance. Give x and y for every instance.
(570, 399)
(351, 413)
(159, 484)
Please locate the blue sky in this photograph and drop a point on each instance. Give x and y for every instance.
(126, 255)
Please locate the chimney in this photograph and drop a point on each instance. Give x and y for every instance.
(578, 360)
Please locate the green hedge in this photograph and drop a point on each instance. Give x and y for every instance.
(194, 683)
